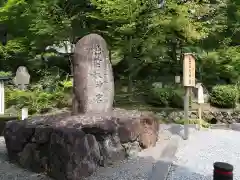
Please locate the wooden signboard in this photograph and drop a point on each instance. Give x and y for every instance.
(189, 70)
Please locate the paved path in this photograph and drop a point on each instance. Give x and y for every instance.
(195, 157)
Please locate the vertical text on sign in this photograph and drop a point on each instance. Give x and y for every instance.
(98, 64)
(189, 70)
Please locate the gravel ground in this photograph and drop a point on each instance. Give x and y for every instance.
(141, 168)
(9, 171)
(138, 168)
(195, 156)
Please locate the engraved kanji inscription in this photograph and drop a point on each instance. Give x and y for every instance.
(93, 77)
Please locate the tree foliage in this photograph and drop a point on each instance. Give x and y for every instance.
(144, 37)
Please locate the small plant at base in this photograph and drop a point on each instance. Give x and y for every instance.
(5, 74)
(67, 84)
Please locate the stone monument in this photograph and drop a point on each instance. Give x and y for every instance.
(22, 80)
(93, 84)
(68, 147)
(22, 77)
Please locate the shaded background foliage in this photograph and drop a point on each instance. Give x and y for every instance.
(146, 38)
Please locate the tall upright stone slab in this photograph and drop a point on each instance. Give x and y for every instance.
(22, 77)
(93, 84)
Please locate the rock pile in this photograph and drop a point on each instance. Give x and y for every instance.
(226, 117)
(70, 147)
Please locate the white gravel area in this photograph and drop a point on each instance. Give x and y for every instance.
(138, 168)
(195, 156)
(141, 167)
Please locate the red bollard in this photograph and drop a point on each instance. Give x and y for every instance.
(222, 171)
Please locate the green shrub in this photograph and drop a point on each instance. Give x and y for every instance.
(62, 99)
(160, 96)
(17, 97)
(67, 84)
(34, 100)
(223, 96)
(4, 73)
(177, 100)
(166, 97)
(39, 100)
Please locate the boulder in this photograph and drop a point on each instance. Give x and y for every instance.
(71, 147)
(135, 126)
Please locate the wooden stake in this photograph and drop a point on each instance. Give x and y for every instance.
(200, 116)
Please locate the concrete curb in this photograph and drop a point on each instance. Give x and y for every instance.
(219, 126)
(235, 126)
(163, 164)
(161, 168)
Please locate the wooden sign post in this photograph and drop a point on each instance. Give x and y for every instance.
(188, 83)
(22, 80)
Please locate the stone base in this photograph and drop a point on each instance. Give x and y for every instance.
(70, 147)
(221, 116)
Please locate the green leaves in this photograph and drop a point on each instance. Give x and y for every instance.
(224, 96)
(138, 32)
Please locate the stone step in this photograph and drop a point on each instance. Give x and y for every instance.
(220, 126)
(233, 126)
